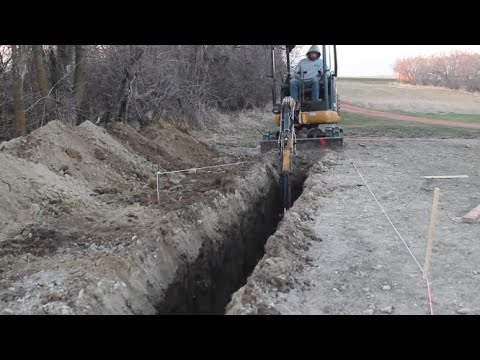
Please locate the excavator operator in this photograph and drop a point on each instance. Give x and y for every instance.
(308, 71)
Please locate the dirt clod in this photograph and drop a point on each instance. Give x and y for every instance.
(74, 154)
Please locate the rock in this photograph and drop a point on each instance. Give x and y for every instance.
(387, 310)
(34, 209)
(7, 296)
(152, 184)
(99, 154)
(66, 208)
(366, 289)
(175, 179)
(386, 287)
(75, 154)
(369, 312)
(270, 262)
(335, 290)
(134, 237)
(54, 296)
(464, 311)
(3, 284)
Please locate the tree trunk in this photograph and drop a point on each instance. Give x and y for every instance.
(64, 72)
(65, 53)
(80, 82)
(126, 88)
(42, 82)
(19, 68)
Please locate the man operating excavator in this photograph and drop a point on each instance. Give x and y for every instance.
(308, 71)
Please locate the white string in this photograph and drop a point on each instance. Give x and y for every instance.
(202, 168)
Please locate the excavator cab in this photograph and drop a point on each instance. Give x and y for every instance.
(312, 119)
(303, 123)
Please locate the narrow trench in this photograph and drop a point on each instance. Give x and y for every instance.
(205, 287)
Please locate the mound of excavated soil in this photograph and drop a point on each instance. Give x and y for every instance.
(164, 144)
(78, 208)
(57, 165)
(179, 145)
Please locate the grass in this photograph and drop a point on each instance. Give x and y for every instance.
(366, 125)
(388, 96)
(470, 118)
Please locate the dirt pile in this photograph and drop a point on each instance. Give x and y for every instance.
(80, 227)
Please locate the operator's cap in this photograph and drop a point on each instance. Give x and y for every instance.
(314, 48)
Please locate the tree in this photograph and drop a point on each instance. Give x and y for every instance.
(80, 82)
(454, 70)
(126, 88)
(19, 69)
(64, 74)
(42, 81)
(138, 84)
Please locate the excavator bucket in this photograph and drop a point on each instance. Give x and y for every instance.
(331, 138)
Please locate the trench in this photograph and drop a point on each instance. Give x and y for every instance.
(205, 286)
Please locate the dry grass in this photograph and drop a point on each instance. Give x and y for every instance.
(394, 97)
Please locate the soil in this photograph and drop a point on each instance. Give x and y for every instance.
(81, 230)
(336, 253)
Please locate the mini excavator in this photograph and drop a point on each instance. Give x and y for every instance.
(300, 123)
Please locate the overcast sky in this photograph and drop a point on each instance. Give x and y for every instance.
(372, 60)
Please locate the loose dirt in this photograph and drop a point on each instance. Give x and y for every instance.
(81, 230)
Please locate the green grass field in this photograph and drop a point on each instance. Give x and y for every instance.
(470, 118)
(366, 125)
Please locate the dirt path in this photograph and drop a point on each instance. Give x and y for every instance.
(359, 110)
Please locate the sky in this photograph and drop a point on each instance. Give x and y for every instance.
(377, 60)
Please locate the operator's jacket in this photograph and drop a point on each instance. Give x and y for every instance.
(311, 67)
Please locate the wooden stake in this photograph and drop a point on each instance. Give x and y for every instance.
(158, 189)
(426, 267)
